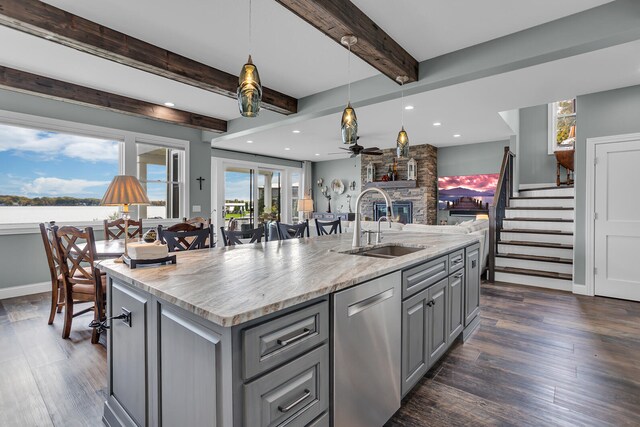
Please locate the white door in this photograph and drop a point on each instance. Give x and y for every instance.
(617, 223)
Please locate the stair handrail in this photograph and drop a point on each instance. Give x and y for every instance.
(504, 192)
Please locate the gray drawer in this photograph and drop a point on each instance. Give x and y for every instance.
(421, 276)
(321, 421)
(294, 395)
(277, 341)
(456, 260)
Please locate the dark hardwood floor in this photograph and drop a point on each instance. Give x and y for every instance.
(539, 358)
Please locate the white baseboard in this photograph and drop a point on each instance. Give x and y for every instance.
(18, 291)
(580, 290)
(542, 185)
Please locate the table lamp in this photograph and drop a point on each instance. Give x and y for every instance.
(123, 191)
(305, 206)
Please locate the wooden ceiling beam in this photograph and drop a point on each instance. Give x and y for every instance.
(337, 18)
(41, 19)
(23, 81)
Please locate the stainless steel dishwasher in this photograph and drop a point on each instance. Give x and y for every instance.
(366, 352)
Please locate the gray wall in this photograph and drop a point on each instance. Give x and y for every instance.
(613, 112)
(22, 258)
(248, 157)
(470, 159)
(347, 170)
(536, 165)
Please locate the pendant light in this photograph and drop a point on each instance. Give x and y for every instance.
(402, 141)
(349, 122)
(249, 86)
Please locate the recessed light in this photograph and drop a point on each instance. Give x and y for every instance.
(249, 142)
(457, 135)
(287, 149)
(169, 104)
(408, 107)
(437, 124)
(317, 154)
(296, 131)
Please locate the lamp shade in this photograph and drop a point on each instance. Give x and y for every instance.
(125, 190)
(305, 205)
(249, 90)
(349, 125)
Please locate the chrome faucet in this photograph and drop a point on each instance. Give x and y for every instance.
(357, 227)
(379, 233)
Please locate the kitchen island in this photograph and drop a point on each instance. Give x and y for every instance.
(262, 334)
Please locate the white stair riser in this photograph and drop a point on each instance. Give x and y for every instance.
(539, 213)
(554, 267)
(535, 237)
(542, 203)
(556, 192)
(540, 282)
(534, 250)
(538, 225)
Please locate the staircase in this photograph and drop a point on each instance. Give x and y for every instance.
(535, 241)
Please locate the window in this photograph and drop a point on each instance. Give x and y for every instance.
(562, 125)
(295, 196)
(54, 170)
(160, 171)
(54, 176)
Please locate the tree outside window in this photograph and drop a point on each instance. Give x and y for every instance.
(562, 125)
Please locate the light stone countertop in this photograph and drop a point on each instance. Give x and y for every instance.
(232, 285)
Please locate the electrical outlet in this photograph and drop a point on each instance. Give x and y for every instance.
(196, 208)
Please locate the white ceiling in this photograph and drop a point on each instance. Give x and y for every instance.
(469, 109)
(429, 28)
(297, 59)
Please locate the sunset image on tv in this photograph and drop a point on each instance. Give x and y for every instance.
(467, 194)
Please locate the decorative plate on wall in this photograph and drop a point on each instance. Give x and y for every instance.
(337, 186)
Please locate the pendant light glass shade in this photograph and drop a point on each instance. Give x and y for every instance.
(349, 125)
(403, 144)
(249, 90)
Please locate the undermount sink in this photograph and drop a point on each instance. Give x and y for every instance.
(392, 251)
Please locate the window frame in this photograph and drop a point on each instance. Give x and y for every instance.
(127, 160)
(552, 125)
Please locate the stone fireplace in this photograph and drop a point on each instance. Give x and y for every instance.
(423, 197)
(402, 209)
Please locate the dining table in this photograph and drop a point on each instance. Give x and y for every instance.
(106, 249)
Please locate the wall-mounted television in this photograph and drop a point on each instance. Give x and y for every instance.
(466, 194)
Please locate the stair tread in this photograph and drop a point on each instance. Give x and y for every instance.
(539, 219)
(536, 258)
(528, 272)
(536, 244)
(541, 197)
(564, 187)
(524, 230)
(540, 208)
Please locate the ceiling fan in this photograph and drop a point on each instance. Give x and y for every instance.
(357, 149)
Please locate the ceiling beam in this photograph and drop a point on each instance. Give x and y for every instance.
(43, 20)
(23, 81)
(337, 18)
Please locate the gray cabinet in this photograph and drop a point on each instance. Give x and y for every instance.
(438, 308)
(456, 304)
(456, 261)
(424, 275)
(472, 290)
(127, 349)
(415, 339)
(295, 394)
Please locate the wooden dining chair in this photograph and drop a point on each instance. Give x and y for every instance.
(115, 229)
(334, 227)
(57, 282)
(231, 237)
(176, 241)
(197, 221)
(82, 281)
(292, 231)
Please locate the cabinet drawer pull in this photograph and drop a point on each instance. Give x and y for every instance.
(457, 261)
(431, 303)
(296, 402)
(304, 333)
(458, 276)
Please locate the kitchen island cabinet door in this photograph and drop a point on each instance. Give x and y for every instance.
(472, 289)
(415, 339)
(438, 303)
(456, 305)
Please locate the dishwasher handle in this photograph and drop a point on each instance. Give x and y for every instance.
(366, 303)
